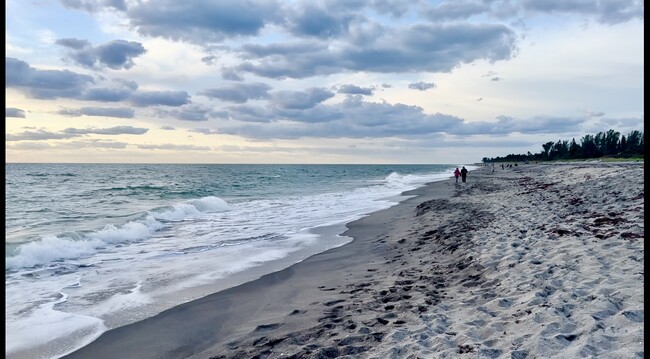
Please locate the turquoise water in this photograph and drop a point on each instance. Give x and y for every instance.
(90, 247)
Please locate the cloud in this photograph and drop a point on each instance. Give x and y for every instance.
(315, 20)
(424, 47)
(205, 131)
(174, 147)
(361, 44)
(116, 54)
(107, 94)
(214, 21)
(95, 5)
(353, 118)
(606, 11)
(238, 93)
(118, 130)
(422, 86)
(230, 74)
(39, 135)
(76, 44)
(166, 98)
(301, 99)
(167, 128)
(29, 146)
(396, 8)
(355, 90)
(248, 113)
(92, 143)
(54, 84)
(456, 10)
(193, 112)
(119, 112)
(506, 125)
(14, 112)
(44, 84)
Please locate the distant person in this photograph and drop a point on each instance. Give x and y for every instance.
(502, 167)
(463, 174)
(457, 173)
(493, 167)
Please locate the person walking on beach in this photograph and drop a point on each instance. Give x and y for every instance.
(456, 174)
(463, 173)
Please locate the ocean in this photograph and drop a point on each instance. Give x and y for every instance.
(90, 247)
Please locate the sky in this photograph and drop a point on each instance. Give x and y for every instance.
(336, 81)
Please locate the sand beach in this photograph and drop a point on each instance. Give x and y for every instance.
(535, 261)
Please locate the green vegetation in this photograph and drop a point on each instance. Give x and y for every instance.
(608, 145)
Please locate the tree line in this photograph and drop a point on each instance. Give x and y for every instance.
(603, 144)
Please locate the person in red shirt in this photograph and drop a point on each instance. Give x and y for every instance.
(456, 174)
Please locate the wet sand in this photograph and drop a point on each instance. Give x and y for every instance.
(537, 261)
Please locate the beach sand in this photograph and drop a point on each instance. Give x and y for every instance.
(535, 261)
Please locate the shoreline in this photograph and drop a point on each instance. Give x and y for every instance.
(149, 332)
(452, 270)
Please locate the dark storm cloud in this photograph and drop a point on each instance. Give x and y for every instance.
(355, 90)
(118, 112)
(117, 130)
(301, 99)
(44, 84)
(238, 93)
(422, 86)
(202, 22)
(116, 54)
(166, 98)
(14, 112)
